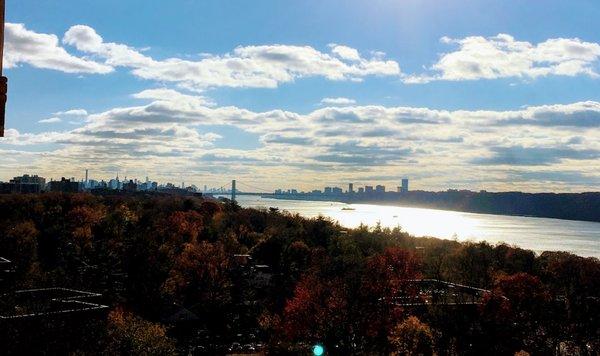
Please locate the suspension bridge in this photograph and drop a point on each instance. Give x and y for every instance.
(231, 189)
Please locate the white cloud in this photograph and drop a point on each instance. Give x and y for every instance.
(264, 66)
(502, 56)
(72, 112)
(85, 39)
(338, 101)
(345, 52)
(172, 96)
(50, 120)
(14, 137)
(43, 51)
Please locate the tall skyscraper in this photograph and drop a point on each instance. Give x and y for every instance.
(350, 188)
(404, 185)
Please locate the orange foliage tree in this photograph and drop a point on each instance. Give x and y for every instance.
(131, 335)
(411, 337)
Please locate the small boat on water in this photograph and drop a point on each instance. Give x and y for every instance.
(348, 208)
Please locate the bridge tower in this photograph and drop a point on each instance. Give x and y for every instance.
(233, 190)
(3, 80)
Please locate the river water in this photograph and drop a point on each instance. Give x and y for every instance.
(537, 234)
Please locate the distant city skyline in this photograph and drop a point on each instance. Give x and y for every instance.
(499, 96)
(88, 181)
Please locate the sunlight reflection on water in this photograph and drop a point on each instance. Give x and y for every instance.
(538, 234)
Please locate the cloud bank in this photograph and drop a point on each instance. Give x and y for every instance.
(171, 134)
(268, 66)
(265, 66)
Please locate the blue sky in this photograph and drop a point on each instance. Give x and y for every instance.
(468, 67)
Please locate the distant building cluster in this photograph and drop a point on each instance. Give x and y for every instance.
(24, 184)
(337, 191)
(36, 184)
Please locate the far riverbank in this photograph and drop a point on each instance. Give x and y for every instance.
(565, 206)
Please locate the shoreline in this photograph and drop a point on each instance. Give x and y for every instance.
(401, 204)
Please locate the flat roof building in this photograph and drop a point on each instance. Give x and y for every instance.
(26, 184)
(64, 185)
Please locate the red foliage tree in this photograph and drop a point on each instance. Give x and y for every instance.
(319, 312)
(199, 277)
(349, 313)
(384, 284)
(516, 311)
(387, 274)
(526, 293)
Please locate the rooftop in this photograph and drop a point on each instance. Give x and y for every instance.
(46, 301)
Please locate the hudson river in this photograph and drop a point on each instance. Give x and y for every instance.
(537, 234)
